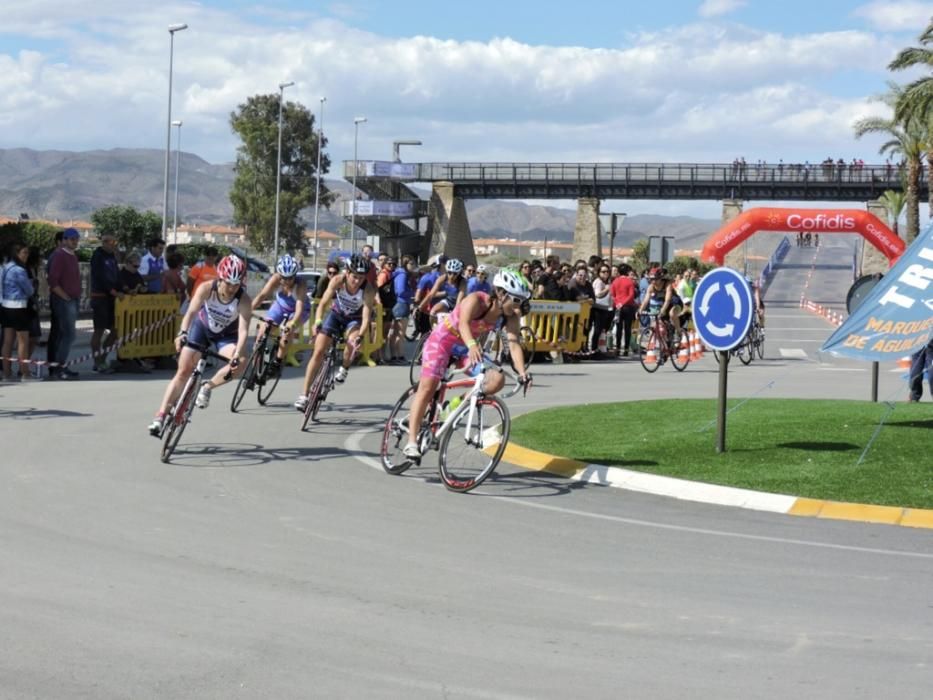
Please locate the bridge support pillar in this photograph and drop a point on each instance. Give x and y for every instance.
(737, 258)
(448, 226)
(586, 239)
(873, 260)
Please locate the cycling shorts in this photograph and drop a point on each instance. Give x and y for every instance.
(336, 324)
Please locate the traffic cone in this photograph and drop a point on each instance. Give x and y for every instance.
(601, 344)
(684, 353)
(651, 357)
(696, 347)
(904, 362)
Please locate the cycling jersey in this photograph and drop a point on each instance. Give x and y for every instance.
(445, 338)
(284, 306)
(217, 321)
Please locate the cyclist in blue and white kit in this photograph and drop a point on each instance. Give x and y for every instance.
(290, 302)
(448, 290)
(350, 314)
(219, 313)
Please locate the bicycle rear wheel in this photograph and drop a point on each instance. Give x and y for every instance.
(395, 435)
(268, 378)
(247, 380)
(470, 450)
(412, 326)
(318, 392)
(414, 367)
(760, 343)
(178, 418)
(649, 350)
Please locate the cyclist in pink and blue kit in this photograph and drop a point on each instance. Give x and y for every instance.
(476, 314)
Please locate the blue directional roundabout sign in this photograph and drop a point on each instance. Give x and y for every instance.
(722, 308)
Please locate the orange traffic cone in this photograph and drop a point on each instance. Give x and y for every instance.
(684, 353)
(904, 362)
(651, 356)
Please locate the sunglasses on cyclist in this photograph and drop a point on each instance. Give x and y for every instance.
(523, 304)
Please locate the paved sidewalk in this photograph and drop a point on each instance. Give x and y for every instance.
(714, 494)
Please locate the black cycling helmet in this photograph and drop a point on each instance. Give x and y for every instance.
(357, 264)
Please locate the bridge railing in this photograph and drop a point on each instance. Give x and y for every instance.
(654, 172)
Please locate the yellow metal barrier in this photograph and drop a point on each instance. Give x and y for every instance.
(146, 311)
(559, 326)
(305, 340)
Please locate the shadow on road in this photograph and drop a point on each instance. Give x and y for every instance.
(30, 413)
(209, 455)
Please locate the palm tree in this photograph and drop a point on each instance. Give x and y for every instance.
(916, 99)
(908, 139)
(893, 201)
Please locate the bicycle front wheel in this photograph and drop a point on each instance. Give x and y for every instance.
(745, 351)
(178, 419)
(317, 393)
(472, 447)
(246, 380)
(649, 350)
(395, 435)
(679, 359)
(269, 377)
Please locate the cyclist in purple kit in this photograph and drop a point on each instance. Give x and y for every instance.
(290, 302)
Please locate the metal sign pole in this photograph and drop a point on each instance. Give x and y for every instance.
(874, 382)
(721, 413)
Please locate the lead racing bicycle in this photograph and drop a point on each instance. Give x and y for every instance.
(179, 416)
(469, 432)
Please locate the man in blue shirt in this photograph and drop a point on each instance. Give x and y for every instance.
(152, 265)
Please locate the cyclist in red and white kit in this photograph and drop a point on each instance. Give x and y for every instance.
(219, 313)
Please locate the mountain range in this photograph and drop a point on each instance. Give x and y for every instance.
(68, 185)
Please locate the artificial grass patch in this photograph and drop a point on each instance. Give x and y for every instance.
(791, 446)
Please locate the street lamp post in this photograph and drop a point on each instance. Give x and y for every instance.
(278, 167)
(172, 28)
(317, 185)
(177, 123)
(356, 166)
(612, 224)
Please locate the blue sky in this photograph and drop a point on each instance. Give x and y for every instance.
(681, 80)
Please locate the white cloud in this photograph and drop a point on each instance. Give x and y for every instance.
(897, 16)
(715, 8)
(701, 91)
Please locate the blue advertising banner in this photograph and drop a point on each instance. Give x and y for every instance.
(896, 319)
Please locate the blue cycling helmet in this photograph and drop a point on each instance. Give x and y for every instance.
(287, 266)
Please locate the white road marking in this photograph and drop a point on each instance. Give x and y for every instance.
(793, 353)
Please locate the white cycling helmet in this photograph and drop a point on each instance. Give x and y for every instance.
(454, 266)
(287, 266)
(512, 283)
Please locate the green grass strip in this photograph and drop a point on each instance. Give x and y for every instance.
(791, 446)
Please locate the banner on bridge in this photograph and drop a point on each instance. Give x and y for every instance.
(896, 319)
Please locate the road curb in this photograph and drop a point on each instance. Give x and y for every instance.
(619, 477)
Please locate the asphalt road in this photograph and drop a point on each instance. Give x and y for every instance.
(269, 563)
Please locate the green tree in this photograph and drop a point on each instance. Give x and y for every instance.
(916, 99)
(40, 234)
(130, 227)
(253, 193)
(908, 139)
(893, 201)
(640, 255)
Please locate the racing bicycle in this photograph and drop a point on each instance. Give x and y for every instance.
(470, 432)
(262, 373)
(658, 342)
(326, 379)
(179, 416)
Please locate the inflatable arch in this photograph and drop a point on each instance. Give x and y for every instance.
(795, 220)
